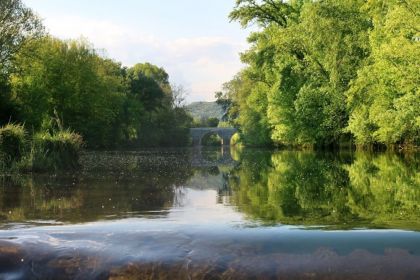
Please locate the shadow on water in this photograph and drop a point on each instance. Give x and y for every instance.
(215, 213)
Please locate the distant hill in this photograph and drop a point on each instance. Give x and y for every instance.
(205, 110)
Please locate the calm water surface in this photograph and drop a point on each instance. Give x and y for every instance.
(215, 214)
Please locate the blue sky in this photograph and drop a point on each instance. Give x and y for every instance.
(192, 39)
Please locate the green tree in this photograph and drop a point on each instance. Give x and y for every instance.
(248, 111)
(18, 26)
(67, 82)
(212, 122)
(149, 84)
(384, 98)
(48, 84)
(300, 64)
(163, 120)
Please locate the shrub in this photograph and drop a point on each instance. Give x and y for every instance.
(57, 151)
(212, 122)
(12, 143)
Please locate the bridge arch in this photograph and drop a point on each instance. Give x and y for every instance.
(225, 133)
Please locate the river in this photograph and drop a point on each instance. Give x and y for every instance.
(215, 214)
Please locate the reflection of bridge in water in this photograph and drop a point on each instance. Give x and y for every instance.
(213, 171)
(202, 157)
(225, 133)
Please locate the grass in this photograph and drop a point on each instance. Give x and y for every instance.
(57, 151)
(13, 144)
(46, 151)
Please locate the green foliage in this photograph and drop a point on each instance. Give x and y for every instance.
(157, 121)
(318, 70)
(7, 106)
(13, 143)
(212, 122)
(168, 127)
(69, 81)
(224, 124)
(54, 151)
(235, 140)
(18, 25)
(57, 151)
(148, 84)
(206, 122)
(266, 13)
(225, 102)
(49, 84)
(248, 111)
(384, 98)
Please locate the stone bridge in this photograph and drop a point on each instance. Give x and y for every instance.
(225, 133)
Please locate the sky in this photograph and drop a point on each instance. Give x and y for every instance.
(192, 40)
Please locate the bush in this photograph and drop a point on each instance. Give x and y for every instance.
(212, 122)
(57, 151)
(12, 143)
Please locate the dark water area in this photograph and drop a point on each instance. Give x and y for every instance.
(215, 214)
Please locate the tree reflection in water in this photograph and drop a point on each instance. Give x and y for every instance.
(333, 190)
(341, 190)
(177, 215)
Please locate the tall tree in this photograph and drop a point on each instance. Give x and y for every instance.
(18, 25)
(300, 64)
(149, 84)
(70, 82)
(384, 99)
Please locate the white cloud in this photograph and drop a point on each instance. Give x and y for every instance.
(202, 64)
